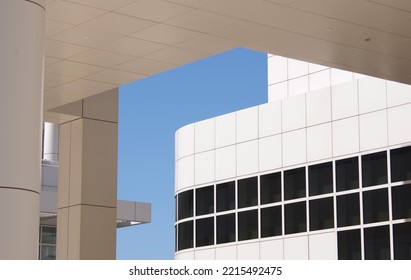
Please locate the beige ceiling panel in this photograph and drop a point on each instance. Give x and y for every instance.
(117, 23)
(86, 87)
(176, 56)
(145, 66)
(241, 9)
(50, 61)
(85, 36)
(101, 58)
(52, 80)
(132, 46)
(400, 49)
(285, 43)
(61, 49)
(399, 69)
(328, 8)
(370, 60)
(61, 96)
(398, 4)
(371, 14)
(209, 44)
(155, 10)
(53, 27)
(107, 5)
(191, 3)
(400, 26)
(71, 68)
(115, 77)
(331, 30)
(201, 21)
(71, 12)
(165, 34)
(246, 32)
(373, 39)
(282, 2)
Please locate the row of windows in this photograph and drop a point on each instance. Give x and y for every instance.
(47, 243)
(376, 240)
(320, 181)
(268, 221)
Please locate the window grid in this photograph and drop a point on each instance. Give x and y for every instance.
(307, 198)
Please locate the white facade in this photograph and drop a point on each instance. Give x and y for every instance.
(316, 117)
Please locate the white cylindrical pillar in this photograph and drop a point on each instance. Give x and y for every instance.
(21, 90)
(51, 142)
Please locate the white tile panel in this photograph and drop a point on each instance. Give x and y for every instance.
(272, 250)
(185, 256)
(296, 248)
(344, 100)
(372, 94)
(318, 106)
(225, 130)
(297, 68)
(346, 138)
(185, 141)
(398, 93)
(339, 76)
(270, 152)
(204, 135)
(323, 246)
(225, 162)
(294, 147)
(226, 253)
(293, 113)
(319, 142)
(208, 254)
(249, 251)
(185, 172)
(247, 158)
(269, 119)
(298, 85)
(319, 80)
(204, 167)
(277, 69)
(247, 124)
(277, 91)
(399, 119)
(373, 130)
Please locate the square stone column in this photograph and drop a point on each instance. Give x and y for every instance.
(87, 187)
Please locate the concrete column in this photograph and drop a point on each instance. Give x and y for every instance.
(21, 91)
(87, 189)
(51, 142)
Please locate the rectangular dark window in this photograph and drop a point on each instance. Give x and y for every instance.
(377, 243)
(401, 164)
(271, 221)
(349, 245)
(185, 235)
(402, 241)
(348, 210)
(321, 213)
(247, 225)
(247, 192)
(226, 228)
(270, 188)
(320, 178)
(185, 204)
(294, 183)
(346, 172)
(205, 232)
(401, 202)
(205, 200)
(374, 169)
(48, 235)
(225, 196)
(295, 217)
(375, 206)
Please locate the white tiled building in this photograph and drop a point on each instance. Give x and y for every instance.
(322, 171)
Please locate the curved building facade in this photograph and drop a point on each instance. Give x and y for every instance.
(322, 171)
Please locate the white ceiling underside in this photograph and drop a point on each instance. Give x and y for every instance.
(96, 45)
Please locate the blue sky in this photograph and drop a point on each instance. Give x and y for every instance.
(151, 110)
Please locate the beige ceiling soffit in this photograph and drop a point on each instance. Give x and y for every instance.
(74, 109)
